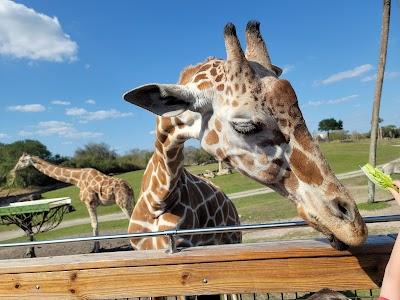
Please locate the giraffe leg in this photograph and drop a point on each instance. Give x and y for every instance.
(126, 203)
(91, 207)
(127, 212)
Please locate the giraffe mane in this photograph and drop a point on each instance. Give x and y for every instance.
(191, 70)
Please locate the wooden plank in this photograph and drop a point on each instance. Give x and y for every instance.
(266, 275)
(257, 251)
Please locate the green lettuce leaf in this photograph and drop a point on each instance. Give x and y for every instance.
(381, 179)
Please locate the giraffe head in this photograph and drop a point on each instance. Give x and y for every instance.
(246, 116)
(23, 162)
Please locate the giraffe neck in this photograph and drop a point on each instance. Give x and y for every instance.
(63, 174)
(165, 166)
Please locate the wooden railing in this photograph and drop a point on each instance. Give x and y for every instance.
(286, 266)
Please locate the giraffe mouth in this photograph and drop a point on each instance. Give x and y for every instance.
(337, 244)
(333, 240)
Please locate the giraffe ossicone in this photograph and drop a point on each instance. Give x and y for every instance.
(246, 116)
(95, 187)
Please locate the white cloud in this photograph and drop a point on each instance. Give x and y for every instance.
(3, 135)
(332, 101)
(87, 66)
(90, 101)
(152, 132)
(27, 107)
(60, 102)
(75, 111)
(86, 116)
(25, 33)
(286, 69)
(106, 114)
(355, 72)
(59, 128)
(388, 75)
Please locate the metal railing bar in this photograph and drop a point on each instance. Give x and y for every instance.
(179, 232)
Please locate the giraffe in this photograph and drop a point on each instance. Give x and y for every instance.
(95, 187)
(243, 114)
(173, 198)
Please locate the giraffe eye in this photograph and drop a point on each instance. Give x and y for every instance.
(246, 128)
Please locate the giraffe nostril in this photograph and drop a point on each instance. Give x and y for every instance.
(342, 210)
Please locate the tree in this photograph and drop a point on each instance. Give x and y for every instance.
(378, 92)
(330, 124)
(135, 159)
(390, 131)
(196, 156)
(380, 120)
(96, 155)
(9, 155)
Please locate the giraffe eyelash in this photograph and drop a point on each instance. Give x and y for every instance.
(246, 128)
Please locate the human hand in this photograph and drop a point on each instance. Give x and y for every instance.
(395, 193)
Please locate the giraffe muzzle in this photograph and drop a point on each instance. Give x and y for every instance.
(342, 210)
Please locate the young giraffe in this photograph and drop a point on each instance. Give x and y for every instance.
(244, 115)
(173, 198)
(95, 187)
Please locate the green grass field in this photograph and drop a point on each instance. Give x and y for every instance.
(343, 157)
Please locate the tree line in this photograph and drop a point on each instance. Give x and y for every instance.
(334, 130)
(94, 155)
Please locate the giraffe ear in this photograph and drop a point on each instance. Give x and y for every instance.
(277, 70)
(167, 100)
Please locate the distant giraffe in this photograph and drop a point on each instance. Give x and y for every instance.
(243, 114)
(95, 187)
(173, 198)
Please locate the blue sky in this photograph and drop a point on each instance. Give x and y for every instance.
(65, 64)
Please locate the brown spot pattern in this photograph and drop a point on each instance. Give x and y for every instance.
(218, 125)
(332, 188)
(306, 170)
(282, 94)
(303, 138)
(247, 160)
(188, 73)
(161, 137)
(204, 85)
(220, 153)
(212, 138)
(283, 122)
(200, 77)
(220, 87)
(205, 67)
(166, 123)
